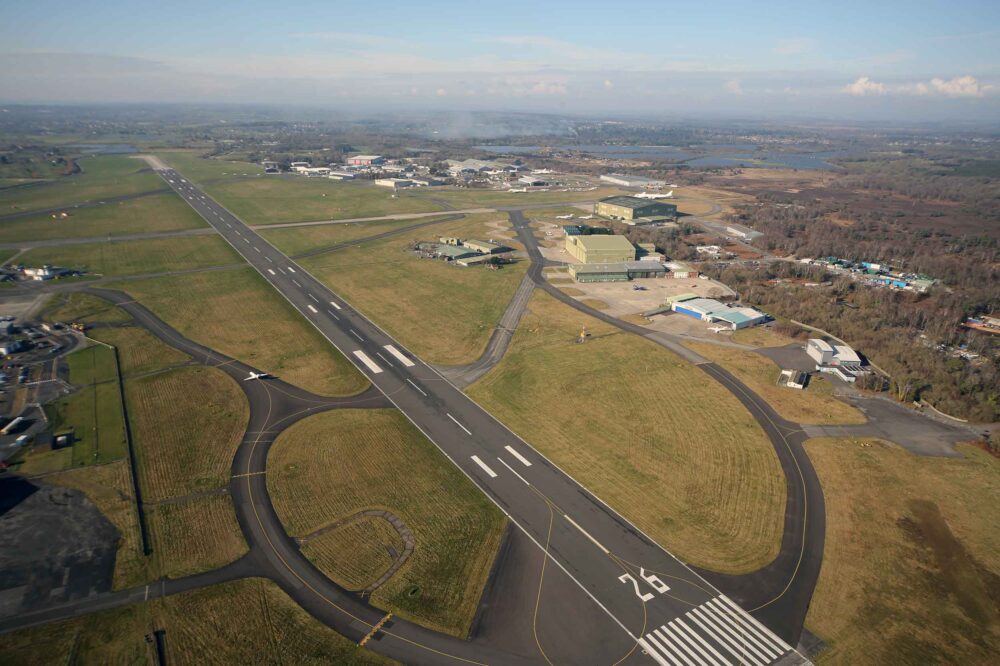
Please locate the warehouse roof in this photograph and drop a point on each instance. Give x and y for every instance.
(680, 298)
(703, 305)
(820, 344)
(454, 251)
(627, 202)
(645, 266)
(604, 242)
(737, 315)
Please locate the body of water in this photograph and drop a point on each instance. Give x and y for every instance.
(106, 148)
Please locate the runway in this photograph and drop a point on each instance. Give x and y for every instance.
(654, 608)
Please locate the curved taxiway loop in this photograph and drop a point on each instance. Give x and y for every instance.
(274, 406)
(628, 606)
(780, 592)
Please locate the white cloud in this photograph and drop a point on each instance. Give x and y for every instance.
(961, 86)
(548, 88)
(794, 46)
(608, 84)
(864, 86)
(733, 87)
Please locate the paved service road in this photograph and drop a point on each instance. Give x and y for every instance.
(657, 610)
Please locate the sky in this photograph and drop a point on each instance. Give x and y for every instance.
(913, 60)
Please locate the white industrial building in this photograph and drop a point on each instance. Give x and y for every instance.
(632, 181)
(743, 233)
(838, 360)
(679, 270)
(711, 310)
(365, 160)
(394, 183)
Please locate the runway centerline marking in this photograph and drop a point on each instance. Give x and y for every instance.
(296, 283)
(315, 300)
(367, 361)
(355, 334)
(416, 387)
(467, 432)
(384, 359)
(587, 534)
(504, 463)
(511, 451)
(330, 312)
(486, 468)
(269, 259)
(399, 356)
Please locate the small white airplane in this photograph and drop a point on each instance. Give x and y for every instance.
(541, 171)
(586, 217)
(719, 329)
(565, 217)
(652, 195)
(517, 190)
(256, 375)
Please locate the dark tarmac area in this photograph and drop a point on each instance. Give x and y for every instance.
(55, 547)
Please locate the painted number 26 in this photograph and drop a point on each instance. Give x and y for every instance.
(652, 580)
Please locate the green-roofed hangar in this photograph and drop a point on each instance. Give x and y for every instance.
(631, 208)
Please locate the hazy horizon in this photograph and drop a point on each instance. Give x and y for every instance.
(912, 62)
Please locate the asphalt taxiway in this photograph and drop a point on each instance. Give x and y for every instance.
(651, 606)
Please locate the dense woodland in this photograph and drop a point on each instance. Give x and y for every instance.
(936, 217)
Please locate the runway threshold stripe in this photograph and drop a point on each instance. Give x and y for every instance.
(467, 431)
(648, 649)
(522, 459)
(312, 309)
(685, 652)
(367, 361)
(759, 625)
(486, 468)
(399, 356)
(719, 660)
(728, 619)
(587, 534)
